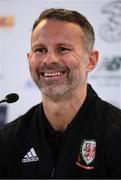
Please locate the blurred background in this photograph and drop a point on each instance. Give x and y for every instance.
(16, 20)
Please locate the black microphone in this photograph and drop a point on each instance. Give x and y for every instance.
(10, 98)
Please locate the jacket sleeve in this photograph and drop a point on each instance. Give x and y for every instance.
(6, 140)
(3, 158)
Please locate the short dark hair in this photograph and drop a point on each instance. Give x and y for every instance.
(70, 16)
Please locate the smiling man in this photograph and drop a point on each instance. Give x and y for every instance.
(59, 64)
(72, 133)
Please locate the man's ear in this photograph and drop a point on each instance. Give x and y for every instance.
(93, 60)
(29, 54)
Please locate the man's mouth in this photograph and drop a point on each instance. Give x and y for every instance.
(52, 74)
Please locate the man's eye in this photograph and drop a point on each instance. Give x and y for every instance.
(41, 50)
(63, 49)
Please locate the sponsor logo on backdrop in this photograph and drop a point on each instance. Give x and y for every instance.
(108, 72)
(7, 21)
(111, 64)
(107, 76)
(110, 29)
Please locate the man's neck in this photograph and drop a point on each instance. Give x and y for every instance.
(61, 113)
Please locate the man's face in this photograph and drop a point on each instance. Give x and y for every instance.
(57, 61)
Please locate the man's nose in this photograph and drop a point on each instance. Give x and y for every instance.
(51, 57)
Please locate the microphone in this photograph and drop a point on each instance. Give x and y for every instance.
(10, 98)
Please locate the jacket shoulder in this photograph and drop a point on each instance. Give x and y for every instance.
(110, 120)
(112, 113)
(8, 131)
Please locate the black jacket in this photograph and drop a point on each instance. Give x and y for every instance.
(90, 147)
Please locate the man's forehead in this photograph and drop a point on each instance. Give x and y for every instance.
(55, 28)
(45, 23)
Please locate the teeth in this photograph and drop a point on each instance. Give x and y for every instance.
(53, 74)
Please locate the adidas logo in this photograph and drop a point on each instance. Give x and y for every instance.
(31, 156)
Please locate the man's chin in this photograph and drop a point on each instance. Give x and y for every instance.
(57, 96)
(52, 94)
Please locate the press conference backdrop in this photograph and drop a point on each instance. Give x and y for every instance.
(16, 19)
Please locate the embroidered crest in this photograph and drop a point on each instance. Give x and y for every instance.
(86, 154)
(88, 150)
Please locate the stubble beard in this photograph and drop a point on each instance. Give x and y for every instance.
(59, 91)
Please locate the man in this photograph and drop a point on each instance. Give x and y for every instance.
(72, 133)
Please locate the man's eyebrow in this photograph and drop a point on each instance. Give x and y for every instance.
(38, 44)
(66, 43)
